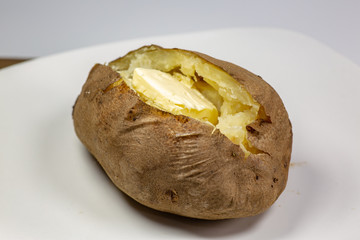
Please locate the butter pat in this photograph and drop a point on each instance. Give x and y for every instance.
(162, 90)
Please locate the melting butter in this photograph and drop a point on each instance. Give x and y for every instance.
(167, 93)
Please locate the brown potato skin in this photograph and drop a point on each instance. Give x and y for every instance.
(176, 164)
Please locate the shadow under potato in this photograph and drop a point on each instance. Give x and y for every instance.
(201, 227)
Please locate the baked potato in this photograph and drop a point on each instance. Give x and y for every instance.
(185, 133)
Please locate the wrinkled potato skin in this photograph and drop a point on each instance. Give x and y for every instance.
(176, 164)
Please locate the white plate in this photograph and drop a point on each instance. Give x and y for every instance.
(50, 188)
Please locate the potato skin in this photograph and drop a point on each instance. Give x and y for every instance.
(177, 164)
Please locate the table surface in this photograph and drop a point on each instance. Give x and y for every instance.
(38, 28)
(5, 62)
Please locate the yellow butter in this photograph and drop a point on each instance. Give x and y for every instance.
(166, 92)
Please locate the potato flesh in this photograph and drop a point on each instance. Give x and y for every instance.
(236, 107)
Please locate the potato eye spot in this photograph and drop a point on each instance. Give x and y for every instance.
(172, 194)
(132, 115)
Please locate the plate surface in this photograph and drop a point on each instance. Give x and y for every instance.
(50, 188)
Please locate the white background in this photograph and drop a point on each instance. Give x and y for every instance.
(38, 27)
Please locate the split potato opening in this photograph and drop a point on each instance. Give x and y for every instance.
(182, 83)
